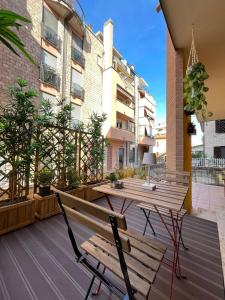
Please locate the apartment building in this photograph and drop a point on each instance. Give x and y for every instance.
(214, 139)
(87, 70)
(146, 120)
(68, 53)
(160, 140)
(121, 95)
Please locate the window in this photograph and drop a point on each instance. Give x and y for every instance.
(131, 147)
(119, 124)
(50, 20)
(49, 59)
(52, 99)
(50, 28)
(131, 126)
(77, 50)
(219, 152)
(220, 126)
(77, 77)
(77, 43)
(76, 114)
(48, 69)
(76, 84)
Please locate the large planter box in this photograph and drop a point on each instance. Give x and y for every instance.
(45, 206)
(90, 194)
(16, 216)
(78, 192)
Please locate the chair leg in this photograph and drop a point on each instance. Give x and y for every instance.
(180, 233)
(91, 284)
(148, 221)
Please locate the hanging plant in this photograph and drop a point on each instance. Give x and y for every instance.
(195, 89)
(194, 85)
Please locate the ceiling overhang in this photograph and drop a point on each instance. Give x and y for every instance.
(208, 20)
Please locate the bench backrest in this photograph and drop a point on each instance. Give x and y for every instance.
(98, 212)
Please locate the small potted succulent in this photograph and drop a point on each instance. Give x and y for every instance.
(113, 178)
(45, 178)
(191, 129)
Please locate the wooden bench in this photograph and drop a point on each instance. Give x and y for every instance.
(130, 256)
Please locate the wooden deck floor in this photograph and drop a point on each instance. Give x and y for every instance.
(37, 262)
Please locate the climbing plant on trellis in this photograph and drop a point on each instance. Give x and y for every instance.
(61, 149)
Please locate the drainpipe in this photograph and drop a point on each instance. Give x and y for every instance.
(136, 112)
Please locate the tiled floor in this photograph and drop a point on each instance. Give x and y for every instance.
(208, 202)
(210, 197)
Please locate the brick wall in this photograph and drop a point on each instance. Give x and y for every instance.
(13, 66)
(175, 141)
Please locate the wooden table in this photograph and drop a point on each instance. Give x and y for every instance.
(169, 197)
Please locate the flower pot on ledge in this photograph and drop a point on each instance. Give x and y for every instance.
(15, 216)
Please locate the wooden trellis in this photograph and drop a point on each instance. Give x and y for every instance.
(15, 162)
(56, 149)
(59, 149)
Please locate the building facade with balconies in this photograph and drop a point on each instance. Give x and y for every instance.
(121, 97)
(67, 51)
(146, 121)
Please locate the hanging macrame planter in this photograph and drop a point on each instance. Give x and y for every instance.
(194, 85)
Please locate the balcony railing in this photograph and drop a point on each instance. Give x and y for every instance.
(78, 56)
(77, 91)
(68, 2)
(49, 76)
(51, 36)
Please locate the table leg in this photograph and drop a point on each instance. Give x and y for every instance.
(124, 210)
(109, 202)
(147, 221)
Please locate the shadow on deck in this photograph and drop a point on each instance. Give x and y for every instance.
(37, 262)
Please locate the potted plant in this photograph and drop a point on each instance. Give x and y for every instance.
(113, 178)
(195, 89)
(45, 178)
(46, 203)
(16, 121)
(191, 129)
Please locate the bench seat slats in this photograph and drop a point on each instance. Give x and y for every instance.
(137, 283)
(132, 263)
(157, 245)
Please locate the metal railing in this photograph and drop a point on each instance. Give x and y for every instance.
(77, 91)
(208, 162)
(51, 36)
(49, 75)
(78, 56)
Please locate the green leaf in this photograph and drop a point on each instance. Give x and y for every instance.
(7, 44)
(11, 14)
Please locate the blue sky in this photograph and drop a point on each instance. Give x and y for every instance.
(139, 35)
